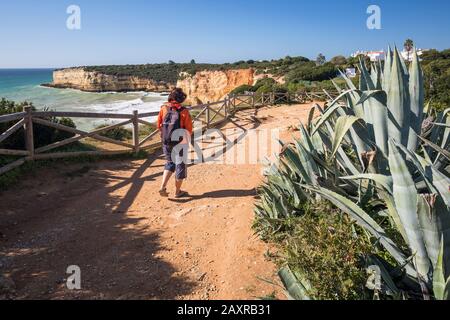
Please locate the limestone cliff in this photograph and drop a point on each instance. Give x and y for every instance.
(202, 87)
(91, 81)
(211, 86)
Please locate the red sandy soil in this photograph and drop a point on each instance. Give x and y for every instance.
(108, 218)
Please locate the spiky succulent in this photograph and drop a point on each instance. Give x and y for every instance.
(376, 151)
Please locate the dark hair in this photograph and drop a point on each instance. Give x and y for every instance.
(177, 95)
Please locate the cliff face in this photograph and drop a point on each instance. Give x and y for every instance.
(212, 86)
(202, 87)
(78, 78)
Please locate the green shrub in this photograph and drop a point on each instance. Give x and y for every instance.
(118, 133)
(267, 82)
(242, 89)
(323, 248)
(146, 130)
(310, 72)
(437, 83)
(43, 135)
(339, 60)
(266, 88)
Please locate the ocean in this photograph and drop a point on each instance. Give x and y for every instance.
(25, 85)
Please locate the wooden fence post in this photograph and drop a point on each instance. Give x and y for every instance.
(253, 100)
(208, 115)
(136, 131)
(231, 97)
(29, 136)
(272, 98)
(227, 105)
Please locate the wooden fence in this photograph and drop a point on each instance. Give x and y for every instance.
(209, 114)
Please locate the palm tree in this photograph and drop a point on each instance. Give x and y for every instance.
(409, 45)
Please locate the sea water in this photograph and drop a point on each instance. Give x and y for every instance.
(25, 85)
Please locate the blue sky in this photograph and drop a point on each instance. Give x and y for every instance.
(34, 34)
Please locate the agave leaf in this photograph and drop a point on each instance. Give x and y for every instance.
(366, 222)
(440, 286)
(398, 103)
(393, 213)
(435, 180)
(405, 197)
(437, 148)
(365, 81)
(416, 93)
(429, 222)
(366, 95)
(436, 131)
(404, 67)
(426, 155)
(349, 82)
(343, 125)
(377, 104)
(385, 181)
(306, 139)
(342, 157)
(338, 88)
(296, 290)
(317, 143)
(387, 70)
(440, 163)
(295, 164)
(326, 117)
(375, 76)
(362, 143)
(445, 125)
(308, 162)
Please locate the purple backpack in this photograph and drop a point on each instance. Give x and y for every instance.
(171, 123)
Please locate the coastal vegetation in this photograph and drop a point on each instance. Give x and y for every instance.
(295, 68)
(44, 134)
(436, 67)
(125, 134)
(362, 195)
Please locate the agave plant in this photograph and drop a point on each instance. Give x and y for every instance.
(378, 154)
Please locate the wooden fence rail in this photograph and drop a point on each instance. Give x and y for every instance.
(209, 114)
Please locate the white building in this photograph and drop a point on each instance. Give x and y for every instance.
(381, 55)
(373, 55)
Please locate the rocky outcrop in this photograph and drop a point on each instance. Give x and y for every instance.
(202, 87)
(91, 81)
(207, 86)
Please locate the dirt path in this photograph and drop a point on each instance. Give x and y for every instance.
(107, 218)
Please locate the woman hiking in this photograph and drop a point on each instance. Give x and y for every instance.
(175, 125)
